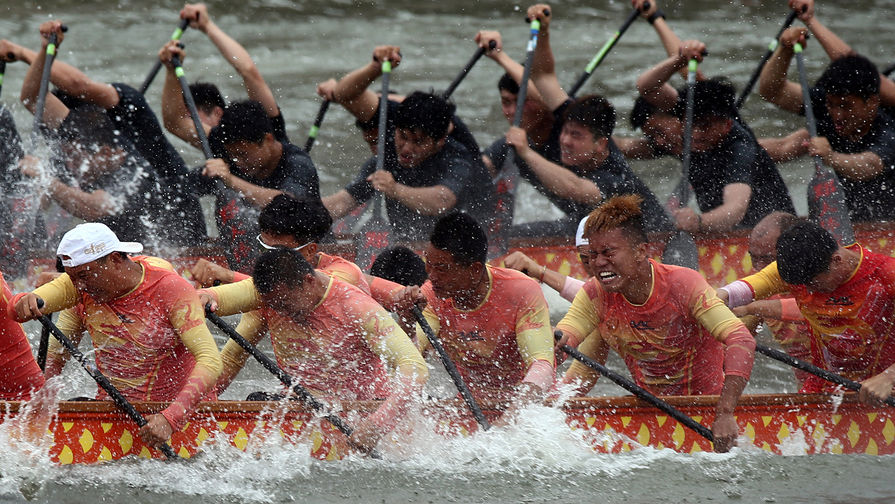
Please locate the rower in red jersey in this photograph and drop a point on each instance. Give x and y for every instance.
(493, 322)
(145, 321)
(675, 335)
(19, 373)
(846, 293)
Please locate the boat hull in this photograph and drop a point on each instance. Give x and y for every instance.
(91, 432)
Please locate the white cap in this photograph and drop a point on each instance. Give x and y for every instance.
(580, 240)
(91, 241)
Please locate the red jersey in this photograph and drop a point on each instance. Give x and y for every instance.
(19, 372)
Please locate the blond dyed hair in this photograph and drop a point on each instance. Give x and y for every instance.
(619, 212)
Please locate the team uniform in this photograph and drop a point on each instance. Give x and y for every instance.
(852, 328)
(343, 348)
(503, 342)
(19, 372)
(152, 343)
(682, 341)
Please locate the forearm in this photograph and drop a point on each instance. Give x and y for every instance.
(787, 148)
(721, 219)
(561, 181)
(433, 200)
(31, 84)
(859, 166)
(634, 148)
(353, 84)
(237, 56)
(834, 46)
(730, 394)
(339, 204)
(653, 84)
(175, 115)
(81, 204)
(772, 84)
(257, 195)
(670, 41)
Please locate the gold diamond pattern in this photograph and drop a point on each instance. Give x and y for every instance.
(643, 435)
(678, 436)
(750, 431)
(241, 439)
(626, 420)
(66, 456)
(201, 436)
(854, 433)
(104, 454)
(889, 432)
(106, 426)
(783, 433)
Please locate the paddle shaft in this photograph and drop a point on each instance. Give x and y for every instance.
(601, 54)
(101, 380)
(640, 392)
(312, 135)
(44, 84)
(811, 368)
(191, 107)
(302, 393)
(825, 195)
(682, 191)
(471, 63)
(43, 347)
(2, 73)
(535, 28)
(158, 64)
(451, 369)
(772, 46)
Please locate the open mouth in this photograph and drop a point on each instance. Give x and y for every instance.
(607, 276)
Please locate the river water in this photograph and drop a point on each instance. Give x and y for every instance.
(296, 45)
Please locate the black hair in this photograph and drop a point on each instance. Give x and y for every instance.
(304, 218)
(427, 113)
(207, 96)
(400, 265)
(280, 267)
(89, 125)
(803, 252)
(507, 83)
(851, 75)
(641, 112)
(713, 97)
(594, 113)
(461, 236)
(244, 121)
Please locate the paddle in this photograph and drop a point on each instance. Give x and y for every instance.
(45, 83)
(100, 379)
(826, 203)
(811, 368)
(772, 46)
(191, 107)
(598, 58)
(373, 236)
(2, 73)
(681, 194)
(312, 135)
(302, 393)
(640, 392)
(158, 64)
(888, 71)
(451, 369)
(471, 63)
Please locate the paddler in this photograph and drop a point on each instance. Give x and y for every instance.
(335, 339)
(493, 322)
(675, 335)
(846, 293)
(145, 321)
(19, 373)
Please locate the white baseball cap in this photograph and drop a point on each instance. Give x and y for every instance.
(580, 240)
(91, 241)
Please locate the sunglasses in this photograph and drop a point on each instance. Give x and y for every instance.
(270, 247)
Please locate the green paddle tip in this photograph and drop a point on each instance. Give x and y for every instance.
(535, 25)
(386, 66)
(692, 65)
(797, 48)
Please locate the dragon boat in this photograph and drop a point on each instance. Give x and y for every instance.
(785, 424)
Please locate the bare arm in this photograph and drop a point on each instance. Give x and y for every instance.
(54, 111)
(787, 148)
(235, 54)
(339, 204)
(556, 179)
(89, 206)
(653, 84)
(175, 114)
(858, 166)
(257, 195)
(543, 68)
(351, 91)
(731, 211)
(634, 148)
(773, 85)
(512, 67)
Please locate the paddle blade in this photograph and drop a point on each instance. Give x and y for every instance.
(827, 207)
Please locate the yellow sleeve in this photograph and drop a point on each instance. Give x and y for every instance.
(239, 297)
(391, 343)
(58, 294)
(533, 332)
(434, 323)
(584, 377)
(714, 315)
(581, 319)
(766, 282)
(251, 327)
(70, 325)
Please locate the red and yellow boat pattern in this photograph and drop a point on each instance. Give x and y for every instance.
(91, 432)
